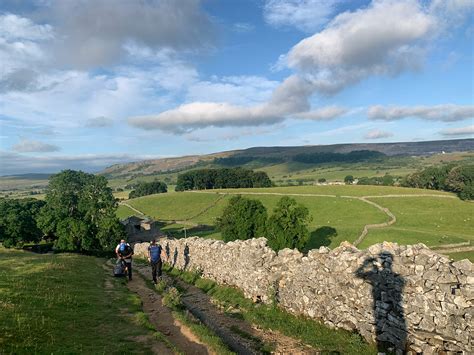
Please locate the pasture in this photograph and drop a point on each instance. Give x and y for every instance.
(65, 303)
(338, 213)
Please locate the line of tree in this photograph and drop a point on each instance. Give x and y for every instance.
(328, 157)
(245, 218)
(78, 214)
(224, 178)
(452, 178)
(148, 188)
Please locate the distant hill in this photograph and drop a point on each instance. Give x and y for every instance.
(281, 154)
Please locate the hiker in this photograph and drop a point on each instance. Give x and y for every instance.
(124, 252)
(154, 257)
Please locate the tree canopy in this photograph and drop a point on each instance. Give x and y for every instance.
(287, 226)
(222, 179)
(243, 218)
(148, 188)
(80, 212)
(18, 223)
(454, 178)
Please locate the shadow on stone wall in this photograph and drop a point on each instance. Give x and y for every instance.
(387, 294)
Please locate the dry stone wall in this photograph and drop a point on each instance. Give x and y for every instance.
(406, 296)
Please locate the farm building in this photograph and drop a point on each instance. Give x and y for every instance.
(141, 229)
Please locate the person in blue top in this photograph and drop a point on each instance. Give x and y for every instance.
(154, 257)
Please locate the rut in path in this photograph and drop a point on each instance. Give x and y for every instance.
(239, 335)
(162, 318)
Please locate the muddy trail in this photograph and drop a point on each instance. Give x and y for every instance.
(239, 335)
(162, 318)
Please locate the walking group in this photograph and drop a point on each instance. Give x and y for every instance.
(124, 253)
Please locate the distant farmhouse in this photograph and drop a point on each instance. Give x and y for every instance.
(141, 229)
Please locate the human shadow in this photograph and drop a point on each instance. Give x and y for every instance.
(167, 251)
(387, 295)
(186, 256)
(175, 257)
(320, 237)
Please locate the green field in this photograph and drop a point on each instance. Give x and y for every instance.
(341, 217)
(432, 221)
(65, 303)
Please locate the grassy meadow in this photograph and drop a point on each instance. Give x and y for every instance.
(66, 303)
(335, 218)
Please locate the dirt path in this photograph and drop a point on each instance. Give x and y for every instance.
(161, 317)
(239, 335)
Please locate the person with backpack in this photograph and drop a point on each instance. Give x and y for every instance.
(154, 258)
(124, 252)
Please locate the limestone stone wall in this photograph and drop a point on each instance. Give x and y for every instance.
(407, 296)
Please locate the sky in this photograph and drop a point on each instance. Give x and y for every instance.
(89, 83)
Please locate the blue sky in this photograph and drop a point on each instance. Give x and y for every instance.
(84, 84)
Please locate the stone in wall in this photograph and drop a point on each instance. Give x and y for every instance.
(406, 296)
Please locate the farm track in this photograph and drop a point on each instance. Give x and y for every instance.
(132, 208)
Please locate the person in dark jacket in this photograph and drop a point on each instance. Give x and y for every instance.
(154, 258)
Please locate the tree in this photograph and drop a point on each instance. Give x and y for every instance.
(287, 226)
(80, 212)
(349, 179)
(243, 218)
(148, 188)
(18, 221)
(321, 180)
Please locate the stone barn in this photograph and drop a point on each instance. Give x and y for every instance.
(141, 229)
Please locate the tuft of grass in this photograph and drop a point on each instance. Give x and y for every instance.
(272, 317)
(161, 286)
(172, 298)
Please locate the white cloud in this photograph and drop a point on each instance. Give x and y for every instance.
(377, 134)
(382, 39)
(462, 131)
(306, 15)
(325, 113)
(447, 112)
(289, 98)
(28, 146)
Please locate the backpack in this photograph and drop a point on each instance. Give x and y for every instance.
(119, 268)
(125, 249)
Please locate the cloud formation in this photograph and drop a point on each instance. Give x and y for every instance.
(99, 30)
(446, 113)
(29, 146)
(377, 134)
(287, 100)
(305, 15)
(462, 131)
(356, 45)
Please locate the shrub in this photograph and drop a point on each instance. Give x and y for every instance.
(242, 219)
(287, 227)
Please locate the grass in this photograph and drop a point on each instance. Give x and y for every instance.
(426, 220)
(124, 212)
(462, 255)
(61, 304)
(271, 317)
